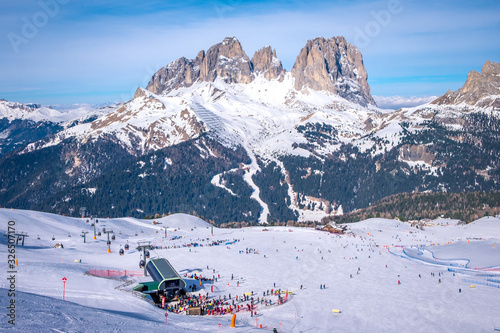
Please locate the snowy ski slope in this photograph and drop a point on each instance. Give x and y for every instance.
(361, 273)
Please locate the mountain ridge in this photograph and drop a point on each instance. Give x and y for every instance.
(332, 65)
(296, 145)
(480, 89)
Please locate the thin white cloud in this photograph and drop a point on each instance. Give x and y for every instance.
(397, 102)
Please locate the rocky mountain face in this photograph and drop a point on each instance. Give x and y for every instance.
(480, 90)
(333, 65)
(225, 60)
(265, 61)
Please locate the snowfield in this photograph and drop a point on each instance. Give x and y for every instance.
(449, 275)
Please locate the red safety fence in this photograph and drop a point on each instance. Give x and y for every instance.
(113, 273)
(491, 269)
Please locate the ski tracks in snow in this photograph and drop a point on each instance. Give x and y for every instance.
(216, 124)
(250, 170)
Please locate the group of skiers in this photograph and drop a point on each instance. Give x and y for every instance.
(248, 251)
(197, 243)
(225, 304)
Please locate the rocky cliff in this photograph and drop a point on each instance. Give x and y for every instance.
(226, 60)
(333, 65)
(480, 89)
(265, 61)
(180, 73)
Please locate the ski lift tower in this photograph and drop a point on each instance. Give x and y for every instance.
(109, 241)
(165, 231)
(84, 235)
(144, 246)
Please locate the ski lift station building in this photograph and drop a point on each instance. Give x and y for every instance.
(166, 279)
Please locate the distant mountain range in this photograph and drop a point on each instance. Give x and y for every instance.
(231, 138)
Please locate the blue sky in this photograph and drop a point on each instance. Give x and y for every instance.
(63, 51)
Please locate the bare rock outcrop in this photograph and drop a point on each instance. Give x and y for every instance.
(480, 89)
(333, 65)
(180, 73)
(265, 61)
(226, 60)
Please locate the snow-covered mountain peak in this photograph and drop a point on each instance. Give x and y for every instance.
(37, 112)
(315, 150)
(257, 113)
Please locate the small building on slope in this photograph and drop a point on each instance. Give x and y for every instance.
(167, 281)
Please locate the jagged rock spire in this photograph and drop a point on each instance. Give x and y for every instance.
(333, 65)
